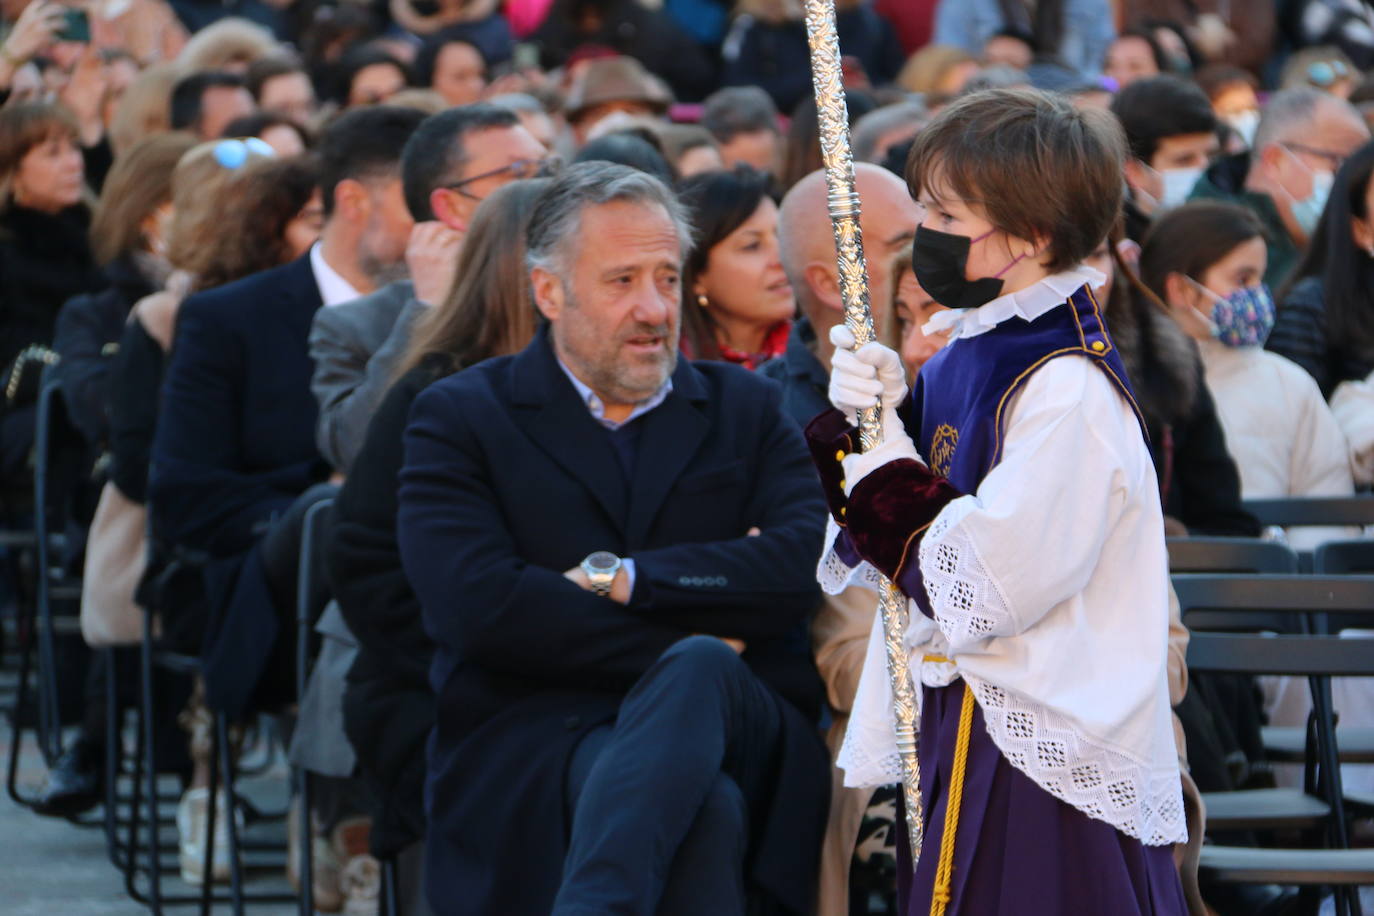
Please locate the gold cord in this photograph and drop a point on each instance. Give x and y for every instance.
(945, 867)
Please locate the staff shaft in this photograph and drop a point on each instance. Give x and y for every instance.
(843, 199)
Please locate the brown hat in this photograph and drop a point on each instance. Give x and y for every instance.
(616, 79)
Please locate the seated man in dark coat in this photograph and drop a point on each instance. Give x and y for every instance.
(614, 553)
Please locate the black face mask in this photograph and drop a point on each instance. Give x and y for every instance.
(939, 260)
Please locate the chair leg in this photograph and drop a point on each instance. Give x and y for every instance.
(226, 754)
(306, 872)
(21, 702)
(135, 812)
(112, 749)
(391, 892)
(149, 767)
(207, 883)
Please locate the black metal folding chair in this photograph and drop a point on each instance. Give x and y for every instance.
(1336, 558)
(308, 581)
(1313, 510)
(1230, 555)
(1318, 658)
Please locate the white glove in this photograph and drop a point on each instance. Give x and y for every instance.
(871, 376)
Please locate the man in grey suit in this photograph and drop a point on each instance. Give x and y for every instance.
(454, 160)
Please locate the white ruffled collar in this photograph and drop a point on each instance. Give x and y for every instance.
(1029, 303)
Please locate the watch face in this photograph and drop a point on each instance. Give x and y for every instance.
(602, 561)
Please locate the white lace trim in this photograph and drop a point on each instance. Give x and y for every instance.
(966, 601)
(835, 575)
(1098, 780)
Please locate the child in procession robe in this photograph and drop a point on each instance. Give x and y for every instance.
(1026, 530)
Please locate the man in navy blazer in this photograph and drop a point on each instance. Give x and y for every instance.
(615, 554)
(235, 444)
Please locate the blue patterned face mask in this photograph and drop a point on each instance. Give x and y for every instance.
(1242, 319)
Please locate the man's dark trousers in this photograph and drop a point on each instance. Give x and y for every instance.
(664, 798)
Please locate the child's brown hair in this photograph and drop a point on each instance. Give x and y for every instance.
(1035, 165)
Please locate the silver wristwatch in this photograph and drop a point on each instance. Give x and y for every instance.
(601, 568)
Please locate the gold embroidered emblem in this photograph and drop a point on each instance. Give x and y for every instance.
(942, 446)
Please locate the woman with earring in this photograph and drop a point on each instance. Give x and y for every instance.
(1326, 321)
(1205, 262)
(737, 304)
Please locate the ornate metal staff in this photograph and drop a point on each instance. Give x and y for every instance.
(843, 198)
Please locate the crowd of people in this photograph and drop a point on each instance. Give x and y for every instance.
(539, 296)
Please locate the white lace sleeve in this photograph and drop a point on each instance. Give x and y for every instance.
(967, 602)
(835, 575)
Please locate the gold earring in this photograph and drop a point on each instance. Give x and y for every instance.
(702, 300)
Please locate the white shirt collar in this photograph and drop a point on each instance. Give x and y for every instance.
(598, 408)
(1029, 304)
(334, 289)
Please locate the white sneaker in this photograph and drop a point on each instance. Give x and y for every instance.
(192, 816)
(362, 886)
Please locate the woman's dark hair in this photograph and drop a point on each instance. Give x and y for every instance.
(718, 203)
(253, 125)
(1147, 35)
(428, 56)
(357, 59)
(267, 196)
(24, 126)
(630, 149)
(1346, 272)
(489, 311)
(1190, 239)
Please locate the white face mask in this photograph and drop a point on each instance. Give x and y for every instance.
(1245, 123)
(1178, 184)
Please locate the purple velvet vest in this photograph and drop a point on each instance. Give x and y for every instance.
(962, 394)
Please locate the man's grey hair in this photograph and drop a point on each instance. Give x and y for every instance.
(1290, 113)
(870, 128)
(557, 213)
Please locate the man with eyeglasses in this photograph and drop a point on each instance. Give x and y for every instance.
(1303, 137)
(450, 165)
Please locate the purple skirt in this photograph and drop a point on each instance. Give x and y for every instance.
(1018, 849)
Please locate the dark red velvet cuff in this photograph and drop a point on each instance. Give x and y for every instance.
(831, 438)
(891, 508)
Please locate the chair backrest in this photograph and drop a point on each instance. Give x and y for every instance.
(1281, 603)
(1230, 555)
(1341, 557)
(60, 458)
(1313, 510)
(1303, 656)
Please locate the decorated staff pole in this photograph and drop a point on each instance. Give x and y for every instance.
(843, 198)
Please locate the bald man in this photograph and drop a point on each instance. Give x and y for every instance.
(888, 220)
(859, 834)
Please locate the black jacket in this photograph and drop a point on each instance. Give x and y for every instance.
(508, 481)
(1300, 333)
(776, 56)
(389, 704)
(45, 259)
(89, 329)
(234, 448)
(649, 36)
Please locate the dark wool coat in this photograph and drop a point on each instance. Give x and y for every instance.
(389, 704)
(45, 259)
(508, 481)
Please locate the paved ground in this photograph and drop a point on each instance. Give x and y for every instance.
(50, 867)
